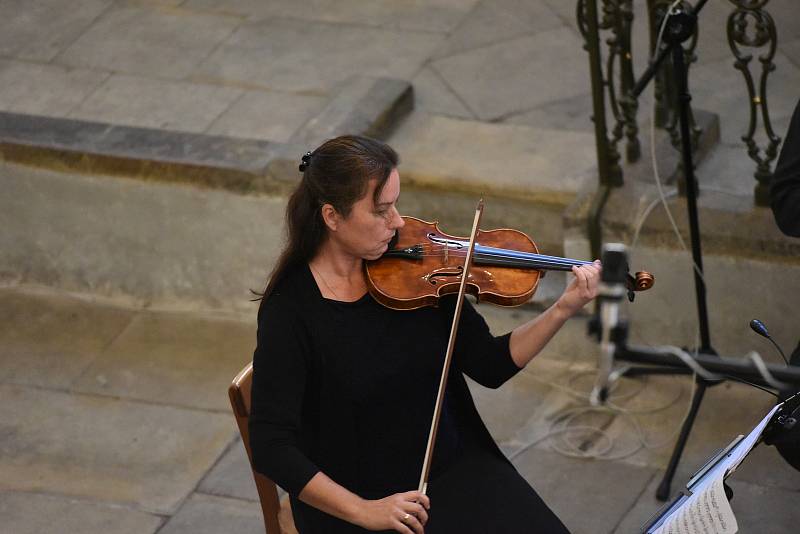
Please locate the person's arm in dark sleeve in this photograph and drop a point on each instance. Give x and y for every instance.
(280, 369)
(481, 356)
(491, 361)
(785, 188)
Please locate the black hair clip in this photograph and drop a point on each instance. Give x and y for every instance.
(305, 161)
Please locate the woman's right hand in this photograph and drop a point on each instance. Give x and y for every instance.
(403, 512)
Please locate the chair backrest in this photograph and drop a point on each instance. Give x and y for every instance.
(239, 393)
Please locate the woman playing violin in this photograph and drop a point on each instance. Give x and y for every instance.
(344, 388)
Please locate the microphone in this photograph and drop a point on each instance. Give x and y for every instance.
(761, 329)
(611, 291)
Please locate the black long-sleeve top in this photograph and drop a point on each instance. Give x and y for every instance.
(785, 189)
(349, 388)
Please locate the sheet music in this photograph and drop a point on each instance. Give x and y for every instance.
(707, 510)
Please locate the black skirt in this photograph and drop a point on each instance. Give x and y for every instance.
(484, 494)
(479, 493)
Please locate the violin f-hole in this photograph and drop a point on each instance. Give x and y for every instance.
(433, 277)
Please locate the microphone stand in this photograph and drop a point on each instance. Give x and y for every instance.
(679, 27)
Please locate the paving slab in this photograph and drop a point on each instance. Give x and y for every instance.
(433, 96)
(792, 51)
(720, 88)
(141, 455)
(313, 57)
(492, 21)
(424, 15)
(34, 513)
(589, 496)
(519, 74)
(762, 509)
(206, 514)
(363, 105)
(232, 476)
(39, 31)
(572, 113)
(169, 358)
(42, 89)
(69, 334)
(537, 164)
(146, 102)
(157, 41)
(565, 11)
(268, 115)
(784, 12)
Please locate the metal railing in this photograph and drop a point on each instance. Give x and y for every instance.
(750, 28)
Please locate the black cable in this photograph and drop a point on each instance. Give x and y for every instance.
(779, 350)
(743, 381)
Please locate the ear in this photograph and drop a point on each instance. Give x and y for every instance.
(330, 216)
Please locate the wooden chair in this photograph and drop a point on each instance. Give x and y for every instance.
(277, 514)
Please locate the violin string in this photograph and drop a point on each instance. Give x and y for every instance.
(437, 246)
(500, 260)
(436, 250)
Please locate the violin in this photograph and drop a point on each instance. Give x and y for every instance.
(423, 263)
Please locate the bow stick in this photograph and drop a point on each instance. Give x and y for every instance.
(437, 411)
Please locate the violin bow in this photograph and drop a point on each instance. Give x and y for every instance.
(437, 411)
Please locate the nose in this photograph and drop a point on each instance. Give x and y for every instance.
(396, 221)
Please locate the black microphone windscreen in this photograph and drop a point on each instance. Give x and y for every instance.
(615, 263)
(759, 328)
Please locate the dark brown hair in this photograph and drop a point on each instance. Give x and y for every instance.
(336, 173)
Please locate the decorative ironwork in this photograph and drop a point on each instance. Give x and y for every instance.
(749, 27)
(616, 16)
(607, 153)
(619, 79)
(761, 34)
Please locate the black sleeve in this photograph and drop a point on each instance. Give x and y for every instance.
(481, 356)
(785, 189)
(280, 370)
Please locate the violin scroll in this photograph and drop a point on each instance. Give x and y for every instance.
(643, 281)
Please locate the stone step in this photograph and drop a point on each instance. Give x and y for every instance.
(526, 175)
(362, 105)
(157, 245)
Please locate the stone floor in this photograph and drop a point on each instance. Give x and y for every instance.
(113, 408)
(116, 419)
(249, 68)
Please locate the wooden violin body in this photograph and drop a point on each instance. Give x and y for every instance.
(425, 263)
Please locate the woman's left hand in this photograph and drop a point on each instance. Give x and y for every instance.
(582, 289)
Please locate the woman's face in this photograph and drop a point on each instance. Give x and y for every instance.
(371, 224)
